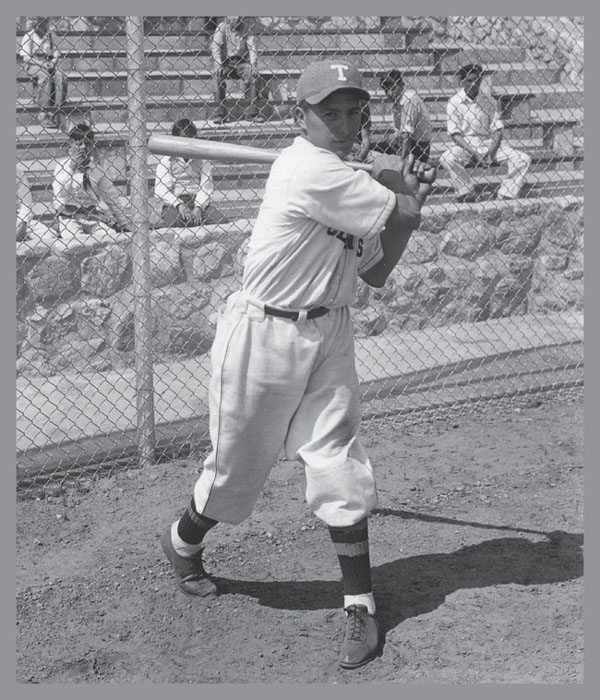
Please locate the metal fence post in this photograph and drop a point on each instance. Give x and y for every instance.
(141, 245)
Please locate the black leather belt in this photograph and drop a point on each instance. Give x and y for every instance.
(295, 315)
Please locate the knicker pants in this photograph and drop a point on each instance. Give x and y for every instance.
(279, 384)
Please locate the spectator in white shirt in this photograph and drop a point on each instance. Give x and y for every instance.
(235, 57)
(42, 62)
(475, 127)
(185, 186)
(86, 201)
(32, 235)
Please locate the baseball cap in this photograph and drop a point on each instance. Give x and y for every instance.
(322, 78)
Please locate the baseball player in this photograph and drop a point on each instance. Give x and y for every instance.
(475, 127)
(283, 367)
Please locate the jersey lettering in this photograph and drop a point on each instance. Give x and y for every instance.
(348, 241)
(340, 69)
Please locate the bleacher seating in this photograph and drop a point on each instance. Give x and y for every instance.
(541, 116)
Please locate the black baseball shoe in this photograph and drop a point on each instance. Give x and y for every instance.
(189, 571)
(361, 642)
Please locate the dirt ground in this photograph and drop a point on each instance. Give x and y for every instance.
(476, 548)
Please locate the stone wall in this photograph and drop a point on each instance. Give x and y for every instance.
(76, 312)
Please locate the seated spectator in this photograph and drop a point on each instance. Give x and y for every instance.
(41, 58)
(412, 133)
(82, 193)
(475, 127)
(185, 186)
(32, 235)
(235, 56)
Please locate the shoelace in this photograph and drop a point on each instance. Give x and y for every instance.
(358, 627)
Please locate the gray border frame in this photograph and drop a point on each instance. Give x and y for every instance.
(7, 282)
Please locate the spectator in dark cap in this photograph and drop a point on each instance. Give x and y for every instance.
(476, 130)
(87, 203)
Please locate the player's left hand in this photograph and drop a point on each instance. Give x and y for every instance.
(424, 172)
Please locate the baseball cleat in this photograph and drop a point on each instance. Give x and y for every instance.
(361, 643)
(189, 571)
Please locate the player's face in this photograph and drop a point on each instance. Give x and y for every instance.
(471, 84)
(334, 123)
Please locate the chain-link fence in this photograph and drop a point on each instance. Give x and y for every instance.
(124, 255)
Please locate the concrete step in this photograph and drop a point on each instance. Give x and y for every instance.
(515, 100)
(243, 201)
(37, 142)
(94, 83)
(342, 39)
(229, 176)
(119, 160)
(286, 55)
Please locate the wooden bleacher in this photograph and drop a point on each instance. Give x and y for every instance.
(541, 116)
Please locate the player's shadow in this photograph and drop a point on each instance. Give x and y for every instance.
(411, 586)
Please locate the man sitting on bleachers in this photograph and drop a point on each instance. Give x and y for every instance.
(82, 192)
(41, 58)
(32, 235)
(412, 133)
(235, 56)
(475, 127)
(185, 186)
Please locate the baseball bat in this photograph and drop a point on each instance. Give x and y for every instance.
(221, 151)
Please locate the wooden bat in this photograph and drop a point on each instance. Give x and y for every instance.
(221, 151)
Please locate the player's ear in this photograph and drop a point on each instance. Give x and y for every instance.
(299, 116)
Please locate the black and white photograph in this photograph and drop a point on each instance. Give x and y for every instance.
(400, 503)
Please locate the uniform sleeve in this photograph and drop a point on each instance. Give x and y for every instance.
(163, 183)
(335, 195)
(372, 254)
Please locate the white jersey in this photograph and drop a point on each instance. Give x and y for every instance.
(317, 228)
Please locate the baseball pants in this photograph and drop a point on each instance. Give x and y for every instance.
(275, 384)
(455, 158)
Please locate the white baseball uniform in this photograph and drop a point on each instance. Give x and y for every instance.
(281, 383)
